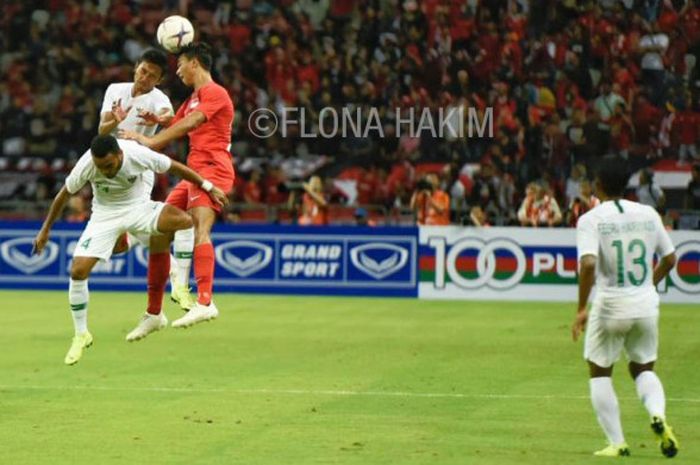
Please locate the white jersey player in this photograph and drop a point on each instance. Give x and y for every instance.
(616, 244)
(140, 106)
(116, 169)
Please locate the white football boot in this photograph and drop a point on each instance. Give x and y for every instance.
(149, 324)
(197, 314)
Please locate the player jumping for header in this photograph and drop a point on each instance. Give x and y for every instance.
(115, 171)
(206, 117)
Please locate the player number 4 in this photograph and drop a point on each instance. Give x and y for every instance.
(639, 253)
(86, 243)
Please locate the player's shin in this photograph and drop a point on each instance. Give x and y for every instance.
(78, 297)
(651, 392)
(607, 409)
(204, 271)
(158, 271)
(182, 246)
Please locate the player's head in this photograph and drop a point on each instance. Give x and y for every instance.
(612, 176)
(106, 155)
(193, 58)
(150, 69)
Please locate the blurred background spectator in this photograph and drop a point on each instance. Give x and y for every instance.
(540, 208)
(648, 193)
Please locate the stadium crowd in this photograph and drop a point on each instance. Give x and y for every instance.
(563, 81)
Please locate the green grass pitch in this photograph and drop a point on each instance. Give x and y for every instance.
(311, 380)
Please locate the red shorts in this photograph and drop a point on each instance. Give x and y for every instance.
(186, 195)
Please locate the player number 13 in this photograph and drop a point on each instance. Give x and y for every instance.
(639, 253)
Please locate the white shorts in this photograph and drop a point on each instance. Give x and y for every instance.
(102, 231)
(139, 238)
(606, 337)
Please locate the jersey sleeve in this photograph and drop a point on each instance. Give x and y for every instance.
(211, 100)
(162, 102)
(586, 237)
(80, 174)
(108, 99)
(150, 159)
(664, 244)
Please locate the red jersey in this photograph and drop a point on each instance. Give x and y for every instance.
(687, 123)
(210, 142)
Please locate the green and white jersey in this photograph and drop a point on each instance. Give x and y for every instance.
(155, 101)
(624, 236)
(127, 189)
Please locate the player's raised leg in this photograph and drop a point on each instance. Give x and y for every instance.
(78, 298)
(170, 219)
(204, 310)
(180, 264)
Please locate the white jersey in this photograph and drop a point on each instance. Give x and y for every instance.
(624, 236)
(155, 101)
(127, 189)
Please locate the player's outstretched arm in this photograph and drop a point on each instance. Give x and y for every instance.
(148, 118)
(57, 206)
(586, 277)
(664, 267)
(183, 172)
(111, 119)
(177, 130)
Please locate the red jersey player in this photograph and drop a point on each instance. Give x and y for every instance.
(206, 117)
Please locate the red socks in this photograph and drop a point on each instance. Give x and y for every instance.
(204, 271)
(158, 271)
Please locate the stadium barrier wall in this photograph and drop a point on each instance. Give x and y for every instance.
(527, 264)
(429, 262)
(264, 259)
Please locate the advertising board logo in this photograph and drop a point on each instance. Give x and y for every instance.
(486, 273)
(18, 253)
(686, 274)
(243, 257)
(379, 259)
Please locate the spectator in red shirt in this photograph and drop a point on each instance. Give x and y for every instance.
(367, 187)
(314, 207)
(686, 124)
(582, 203)
(272, 183)
(253, 189)
(621, 130)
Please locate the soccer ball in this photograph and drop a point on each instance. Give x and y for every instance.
(175, 32)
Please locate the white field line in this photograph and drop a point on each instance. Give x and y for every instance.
(316, 392)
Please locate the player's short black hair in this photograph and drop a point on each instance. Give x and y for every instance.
(613, 173)
(200, 51)
(157, 58)
(101, 146)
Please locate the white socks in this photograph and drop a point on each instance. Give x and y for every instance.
(607, 409)
(651, 392)
(78, 297)
(183, 244)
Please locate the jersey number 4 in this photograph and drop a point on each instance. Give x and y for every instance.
(638, 251)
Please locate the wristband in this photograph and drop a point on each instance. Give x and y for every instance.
(207, 186)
